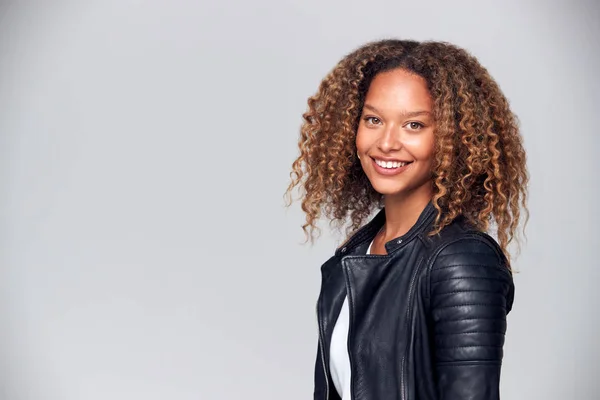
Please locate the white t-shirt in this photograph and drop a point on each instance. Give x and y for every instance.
(339, 360)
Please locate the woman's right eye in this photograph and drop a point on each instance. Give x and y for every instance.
(372, 120)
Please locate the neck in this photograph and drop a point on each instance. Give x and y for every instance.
(402, 212)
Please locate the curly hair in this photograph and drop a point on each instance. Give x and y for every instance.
(479, 169)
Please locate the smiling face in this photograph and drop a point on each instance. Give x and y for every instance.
(395, 139)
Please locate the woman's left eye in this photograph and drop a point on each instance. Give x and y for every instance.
(415, 125)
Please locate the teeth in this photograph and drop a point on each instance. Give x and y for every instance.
(390, 164)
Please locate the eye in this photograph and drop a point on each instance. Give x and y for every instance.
(415, 125)
(372, 120)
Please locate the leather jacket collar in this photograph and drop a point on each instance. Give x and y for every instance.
(368, 232)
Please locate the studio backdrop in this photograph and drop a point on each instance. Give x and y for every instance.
(145, 146)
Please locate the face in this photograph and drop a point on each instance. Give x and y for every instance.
(395, 140)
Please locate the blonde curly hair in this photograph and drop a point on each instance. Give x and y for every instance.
(479, 170)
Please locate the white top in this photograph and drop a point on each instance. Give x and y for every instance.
(339, 360)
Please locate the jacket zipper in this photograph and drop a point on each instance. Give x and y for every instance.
(350, 321)
(322, 353)
(408, 313)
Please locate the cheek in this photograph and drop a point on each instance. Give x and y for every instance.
(423, 147)
(362, 142)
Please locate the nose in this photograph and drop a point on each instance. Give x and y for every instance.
(391, 139)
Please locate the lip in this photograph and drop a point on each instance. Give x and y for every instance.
(390, 159)
(389, 171)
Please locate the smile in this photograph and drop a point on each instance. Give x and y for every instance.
(391, 164)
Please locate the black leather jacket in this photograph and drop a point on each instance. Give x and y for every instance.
(427, 320)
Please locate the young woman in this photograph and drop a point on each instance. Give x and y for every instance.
(413, 305)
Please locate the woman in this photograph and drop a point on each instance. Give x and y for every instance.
(413, 305)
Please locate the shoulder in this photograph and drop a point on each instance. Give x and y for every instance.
(459, 243)
(465, 260)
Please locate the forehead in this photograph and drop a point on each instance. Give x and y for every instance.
(399, 89)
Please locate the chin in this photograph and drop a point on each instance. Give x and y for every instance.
(393, 188)
(388, 190)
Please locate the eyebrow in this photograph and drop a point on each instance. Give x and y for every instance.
(405, 114)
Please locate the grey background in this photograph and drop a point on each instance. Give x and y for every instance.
(145, 146)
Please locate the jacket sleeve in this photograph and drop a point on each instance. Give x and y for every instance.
(471, 292)
(320, 384)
